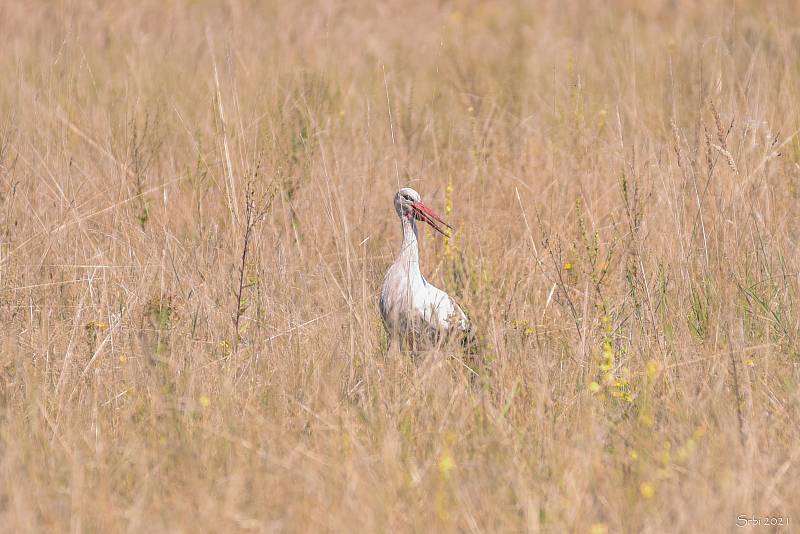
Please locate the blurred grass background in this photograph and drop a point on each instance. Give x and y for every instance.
(623, 179)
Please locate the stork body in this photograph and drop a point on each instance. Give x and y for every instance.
(413, 309)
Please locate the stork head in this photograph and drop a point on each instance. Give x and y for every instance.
(409, 206)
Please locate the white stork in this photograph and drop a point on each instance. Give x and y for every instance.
(412, 309)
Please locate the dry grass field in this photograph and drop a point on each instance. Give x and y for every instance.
(196, 215)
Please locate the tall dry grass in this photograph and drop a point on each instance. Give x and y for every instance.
(624, 182)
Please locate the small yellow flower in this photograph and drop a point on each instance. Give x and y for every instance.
(123, 359)
(446, 464)
(528, 331)
(620, 393)
(448, 197)
(204, 401)
(567, 266)
(634, 455)
(647, 490)
(646, 419)
(608, 357)
(652, 369)
(750, 362)
(687, 449)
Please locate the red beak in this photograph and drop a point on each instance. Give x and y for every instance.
(424, 213)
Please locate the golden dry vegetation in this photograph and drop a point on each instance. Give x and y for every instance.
(623, 180)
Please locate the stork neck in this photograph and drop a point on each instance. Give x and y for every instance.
(409, 253)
